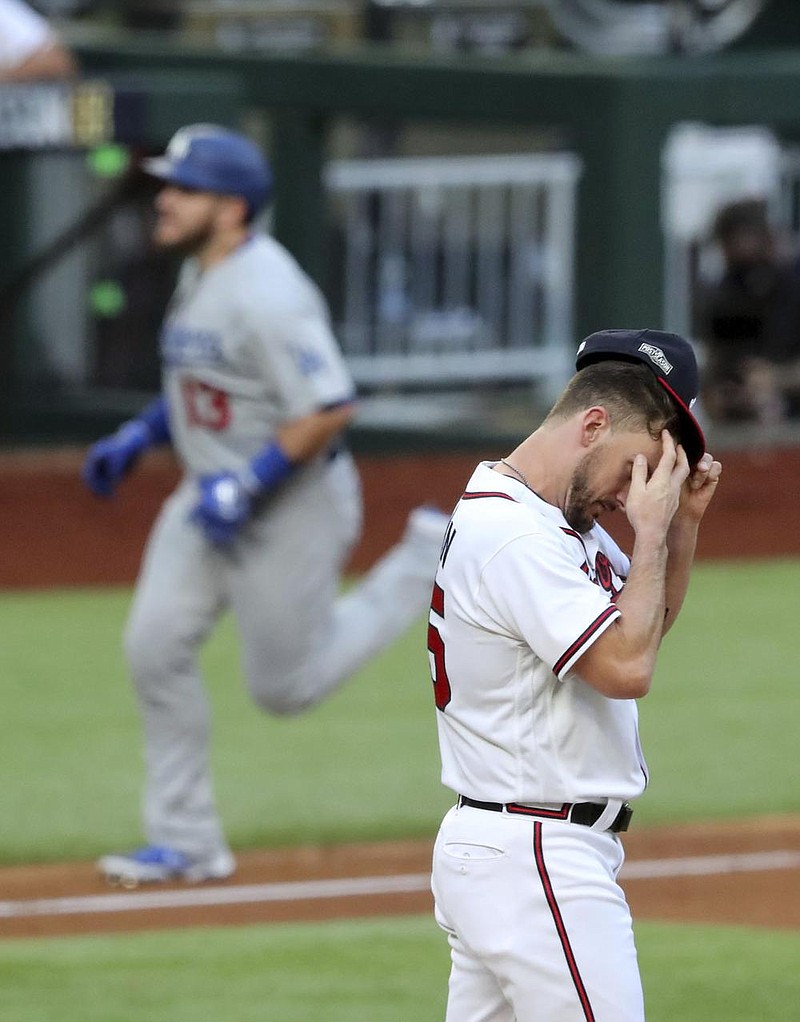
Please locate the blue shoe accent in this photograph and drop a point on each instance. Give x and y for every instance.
(161, 855)
(160, 863)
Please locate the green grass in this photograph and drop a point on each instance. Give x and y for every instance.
(718, 974)
(365, 764)
(384, 970)
(375, 970)
(719, 727)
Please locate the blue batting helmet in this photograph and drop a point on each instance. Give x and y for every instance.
(215, 159)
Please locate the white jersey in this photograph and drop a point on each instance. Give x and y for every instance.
(22, 33)
(518, 597)
(246, 346)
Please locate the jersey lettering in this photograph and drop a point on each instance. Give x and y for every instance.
(206, 406)
(185, 346)
(441, 683)
(449, 536)
(308, 361)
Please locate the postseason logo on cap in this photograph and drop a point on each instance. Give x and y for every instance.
(657, 356)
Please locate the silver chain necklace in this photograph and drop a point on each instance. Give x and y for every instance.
(517, 473)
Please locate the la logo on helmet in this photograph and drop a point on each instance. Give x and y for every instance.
(181, 141)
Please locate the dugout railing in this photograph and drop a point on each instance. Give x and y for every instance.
(455, 270)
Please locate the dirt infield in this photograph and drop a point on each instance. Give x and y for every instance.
(737, 873)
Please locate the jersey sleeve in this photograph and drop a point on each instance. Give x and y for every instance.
(299, 356)
(535, 588)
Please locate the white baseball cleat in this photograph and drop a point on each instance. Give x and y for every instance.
(155, 864)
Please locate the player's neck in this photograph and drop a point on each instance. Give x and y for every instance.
(220, 245)
(541, 459)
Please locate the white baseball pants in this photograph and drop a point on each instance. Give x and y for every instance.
(539, 929)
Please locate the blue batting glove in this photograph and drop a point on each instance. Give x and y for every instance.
(226, 498)
(223, 508)
(109, 459)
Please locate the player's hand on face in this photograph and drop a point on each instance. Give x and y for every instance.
(653, 498)
(699, 488)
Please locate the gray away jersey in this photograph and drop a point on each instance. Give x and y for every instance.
(246, 346)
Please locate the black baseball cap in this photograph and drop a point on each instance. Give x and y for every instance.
(672, 359)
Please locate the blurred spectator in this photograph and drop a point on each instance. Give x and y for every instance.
(30, 49)
(749, 321)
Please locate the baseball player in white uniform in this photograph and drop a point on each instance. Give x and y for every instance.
(255, 397)
(542, 636)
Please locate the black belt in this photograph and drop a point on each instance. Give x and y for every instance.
(585, 813)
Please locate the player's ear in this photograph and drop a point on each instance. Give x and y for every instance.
(595, 422)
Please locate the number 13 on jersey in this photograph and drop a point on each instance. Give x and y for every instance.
(206, 406)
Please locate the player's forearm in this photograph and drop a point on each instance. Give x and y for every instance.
(681, 543)
(53, 61)
(295, 443)
(304, 438)
(621, 662)
(155, 417)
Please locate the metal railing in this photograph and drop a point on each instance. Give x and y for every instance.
(454, 269)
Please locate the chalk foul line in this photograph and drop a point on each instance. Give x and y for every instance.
(231, 894)
(708, 865)
(350, 887)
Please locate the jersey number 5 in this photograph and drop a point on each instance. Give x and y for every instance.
(441, 683)
(206, 406)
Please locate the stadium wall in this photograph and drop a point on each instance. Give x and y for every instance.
(54, 533)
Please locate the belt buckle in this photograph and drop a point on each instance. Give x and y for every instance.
(623, 819)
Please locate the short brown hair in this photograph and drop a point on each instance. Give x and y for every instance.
(628, 390)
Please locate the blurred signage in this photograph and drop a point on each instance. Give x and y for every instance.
(252, 25)
(56, 115)
(625, 27)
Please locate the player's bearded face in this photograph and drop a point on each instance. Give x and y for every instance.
(186, 220)
(602, 477)
(582, 506)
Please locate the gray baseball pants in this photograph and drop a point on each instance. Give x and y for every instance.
(300, 638)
